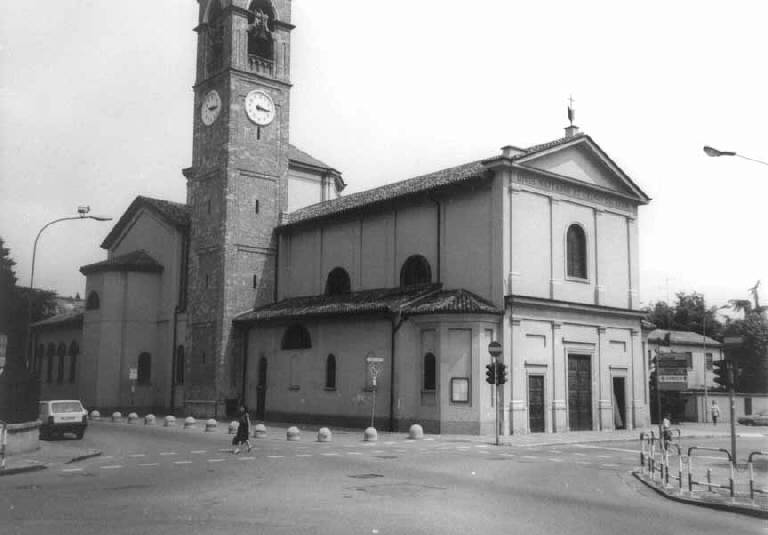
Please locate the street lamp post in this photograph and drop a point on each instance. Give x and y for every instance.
(82, 213)
(715, 153)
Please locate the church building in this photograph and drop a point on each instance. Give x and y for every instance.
(269, 287)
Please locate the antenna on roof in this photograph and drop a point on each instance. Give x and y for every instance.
(571, 130)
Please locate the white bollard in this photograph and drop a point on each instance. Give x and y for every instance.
(149, 419)
(95, 415)
(370, 435)
(324, 435)
(293, 433)
(170, 421)
(133, 418)
(189, 422)
(210, 425)
(260, 431)
(416, 432)
(117, 416)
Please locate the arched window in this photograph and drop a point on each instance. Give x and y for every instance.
(577, 252)
(180, 365)
(337, 282)
(296, 337)
(261, 19)
(330, 372)
(92, 303)
(50, 354)
(74, 351)
(39, 354)
(144, 372)
(61, 352)
(430, 372)
(415, 270)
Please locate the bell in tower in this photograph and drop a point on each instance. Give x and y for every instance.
(260, 27)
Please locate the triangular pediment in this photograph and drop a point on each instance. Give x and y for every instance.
(585, 161)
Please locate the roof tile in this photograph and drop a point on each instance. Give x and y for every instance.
(133, 261)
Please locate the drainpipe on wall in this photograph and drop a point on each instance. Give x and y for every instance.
(173, 358)
(439, 218)
(245, 332)
(397, 322)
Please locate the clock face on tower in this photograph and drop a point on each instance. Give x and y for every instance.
(259, 107)
(211, 107)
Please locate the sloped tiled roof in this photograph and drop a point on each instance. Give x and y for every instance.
(74, 317)
(388, 192)
(422, 299)
(429, 182)
(297, 155)
(175, 214)
(452, 302)
(133, 261)
(362, 302)
(681, 338)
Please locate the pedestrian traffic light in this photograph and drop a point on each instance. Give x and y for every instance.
(720, 371)
(490, 374)
(501, 373)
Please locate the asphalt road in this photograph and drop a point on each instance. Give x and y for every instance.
(169, 481)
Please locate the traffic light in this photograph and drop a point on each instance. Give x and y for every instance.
(501, 373)
(490, 374)
(721, 373)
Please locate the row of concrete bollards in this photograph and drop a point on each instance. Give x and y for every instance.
(293, 433)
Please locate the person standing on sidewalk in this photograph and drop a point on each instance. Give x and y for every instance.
(715, 411)
(243, 431)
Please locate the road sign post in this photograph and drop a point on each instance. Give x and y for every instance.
(494, 348)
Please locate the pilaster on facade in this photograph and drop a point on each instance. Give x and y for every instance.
(605, 403)
(640, 391)
(518, 406)
(559, 380)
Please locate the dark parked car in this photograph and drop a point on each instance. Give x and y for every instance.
(761, 418)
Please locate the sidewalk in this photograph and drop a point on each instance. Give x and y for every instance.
(49, 454)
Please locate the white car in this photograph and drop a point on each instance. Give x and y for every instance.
(61, 416)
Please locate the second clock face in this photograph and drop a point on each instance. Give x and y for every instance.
(259, 107)
(211, 107)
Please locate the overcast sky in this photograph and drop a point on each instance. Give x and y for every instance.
(96, 108)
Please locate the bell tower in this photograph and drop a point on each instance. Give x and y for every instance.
(236, 186)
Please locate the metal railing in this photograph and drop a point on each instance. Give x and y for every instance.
(3, 443)
(752, 489)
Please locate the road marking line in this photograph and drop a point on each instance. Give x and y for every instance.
(507, 454)
(275, 456)
(354, 453)
(609, 465)
(182, 462)
(329, 454)
(246, 458)
(72, 470)
(197, 452)
(555, 460)
(168, 453)
(303, 455)
(481, 445)
(137, 455)
(529, 457)
(149, 464)
(429, 438)
(580, 454)
(604, 448)
(112, 467)
(215, 460)
(389, 443)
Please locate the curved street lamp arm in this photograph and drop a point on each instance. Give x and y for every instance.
(751, 159)
(34, 247)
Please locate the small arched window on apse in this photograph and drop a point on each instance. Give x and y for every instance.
(337, 282)
(39, 354)
(430, 372)
(180, 363)
(74, 351)
(93, 302)
(50, 354)
(261, 24)
(415, 270)
(330, 372)
(144, 369)
(296, 337)
(576, 244)
(61, 352)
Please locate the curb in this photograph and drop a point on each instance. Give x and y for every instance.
(733, 508)
(83, 457)
(22, 469)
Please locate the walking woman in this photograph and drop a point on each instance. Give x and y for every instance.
(243, 431)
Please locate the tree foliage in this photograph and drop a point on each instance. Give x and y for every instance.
(688, 313)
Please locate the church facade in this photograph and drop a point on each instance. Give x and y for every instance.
(270, 287)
